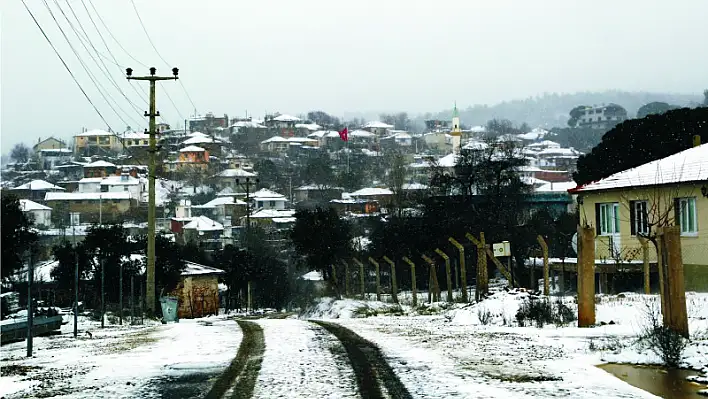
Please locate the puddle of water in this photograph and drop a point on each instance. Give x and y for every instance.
(668, 384)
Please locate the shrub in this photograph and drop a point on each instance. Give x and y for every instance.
(663, 341)
(542, 311)
(484, 315)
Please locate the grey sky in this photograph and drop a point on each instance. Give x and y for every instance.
(338, 56)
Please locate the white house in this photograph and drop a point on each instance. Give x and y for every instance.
(267, 199)
(41, 215)
(122, 183)
(49, 158)
(90, 185)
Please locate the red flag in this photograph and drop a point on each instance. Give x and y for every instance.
(344, 134)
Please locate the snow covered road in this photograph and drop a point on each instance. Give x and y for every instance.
(172, 360)
(303, 360)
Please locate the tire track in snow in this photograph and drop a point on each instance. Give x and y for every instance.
(244, 368)
(369, 365)
(301, 361)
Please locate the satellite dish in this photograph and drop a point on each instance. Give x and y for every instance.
(574, 243)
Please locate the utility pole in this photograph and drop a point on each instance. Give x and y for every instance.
(30, 310)
(76, 275)
(103, 292)
(152, 114)
(247, 186)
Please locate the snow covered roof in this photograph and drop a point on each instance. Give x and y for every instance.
(534, 134)
(27, 205)
(301, 140)
(95, 132)
(318, 134)
(203, 223)
(273, 213)
(309, 126)
(562, 152)
(76, 196)
(135, 135)
(119, 181)
(91, 180)
(264, 193)
(195, 269)
(314, 187)
(286, 118)
(478, 129)
(686, 166)
(275, 139)
(248, 124)
(449, 160)
(378, 125)
(197, 134)
(331, 133)
(236, 173)
(192, 148)
(200, 140)
(37, 185)
(285, 220)
(361, 133)
(100, 164)
(62, 150)
(220, 201)
(475, 145)
(370, 192)
(556, 187)
(545, 144)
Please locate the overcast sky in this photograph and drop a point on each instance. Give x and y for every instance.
(338, 56)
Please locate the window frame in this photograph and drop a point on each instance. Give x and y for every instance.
(639, 218)
(602, 218)
(688, 216)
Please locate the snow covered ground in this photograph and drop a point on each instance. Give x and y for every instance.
(454, 354)
(302, 360)
(122, 361)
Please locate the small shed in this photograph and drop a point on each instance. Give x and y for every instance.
(198, 291)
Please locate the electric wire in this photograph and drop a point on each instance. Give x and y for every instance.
(73, 77)
(103, 70)
(137, 13)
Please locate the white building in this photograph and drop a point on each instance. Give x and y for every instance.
(41, 215)
(267, 199)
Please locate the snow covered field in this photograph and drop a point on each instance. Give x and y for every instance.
(121, 361)
(454, 354)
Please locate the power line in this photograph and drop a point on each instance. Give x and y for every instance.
(88, 72)
(137, 13)
(112, 36)
(73, 77)
(67, 67)
(103, 70)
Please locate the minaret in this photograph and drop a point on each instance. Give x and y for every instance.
(456, 132)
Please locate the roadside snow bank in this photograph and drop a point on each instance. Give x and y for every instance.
(330, 308)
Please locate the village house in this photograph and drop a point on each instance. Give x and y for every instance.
(93, 206)
(50, 143)
(39, 214)
(35, 190)
(192, 157)
(229, 177)
(50, 158)
(198, 291)
(672, 191)
(99, 169)
(267, 199)
(380, 129)
(96, 142)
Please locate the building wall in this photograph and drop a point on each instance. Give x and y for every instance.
(41, 217)
(89, 209)
(660, 204)
(105, 142)
(190, 293)
(49, 144)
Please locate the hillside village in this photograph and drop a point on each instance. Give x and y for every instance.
(206, 169)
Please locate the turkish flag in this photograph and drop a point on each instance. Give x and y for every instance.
(344, 134)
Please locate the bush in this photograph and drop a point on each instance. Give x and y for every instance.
(542, 312)
(663, 341)
(484, 315)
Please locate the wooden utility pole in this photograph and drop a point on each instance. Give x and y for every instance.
(362, 286)
(675, 314)
(482, 287)
(586, 277)
(378, 277)
(30, 309)
(447, 272)
(435, 287)
(152, 114)
(394, 283)
(463, 271)
(413, 281)
(544, 248)
(346, 277)
(645, 259)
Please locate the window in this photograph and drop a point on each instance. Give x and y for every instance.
(259, 204)
(607, 218)
(125, 188)
(272, 204)
(685, 214)
(638, 217)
